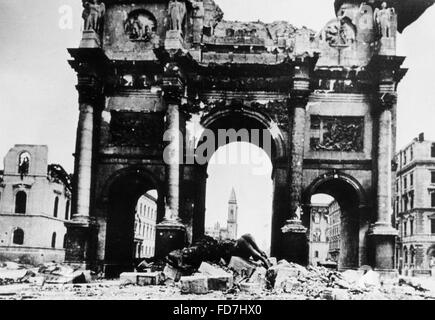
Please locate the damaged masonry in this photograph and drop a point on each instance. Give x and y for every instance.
(150, 71)
(237, 279)
(156, 67)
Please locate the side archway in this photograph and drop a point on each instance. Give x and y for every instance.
(119, 200)
(352, 200)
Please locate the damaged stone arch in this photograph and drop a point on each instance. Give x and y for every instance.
(235, 117)
(243, 117)
(352, 199)
(117, 204)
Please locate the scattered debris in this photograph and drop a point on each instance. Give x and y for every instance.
(237, 279)
(197, 284)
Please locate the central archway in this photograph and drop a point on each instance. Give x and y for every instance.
(270, 139)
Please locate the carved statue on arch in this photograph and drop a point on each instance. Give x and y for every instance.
(385, 21)
(339, 33)
(93, 14)
(177, 11)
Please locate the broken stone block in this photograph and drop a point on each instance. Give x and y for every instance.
(209, 270)
(370, 280)
(283, 263)
(220, 283)
(11, 265)
(218, 279)
(149, 279)
(128, 278)
(38, 281)
(249, 287)
(352, 276)
(64, 271)
(241, 266)
(170, 273)
(81, 276)
(283, 273)
(194, 285)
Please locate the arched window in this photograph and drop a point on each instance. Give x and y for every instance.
(20, 202)
(24, 164)
(56, 207)
(53, 240)
(67, 210)
(18, 237)
(405, 255)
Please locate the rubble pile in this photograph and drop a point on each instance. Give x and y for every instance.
(51, 273)
(242, 277)
(238, 279)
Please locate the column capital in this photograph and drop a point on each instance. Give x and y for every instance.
(387, 100)
(90, 89)
(299, 98)
(173, 83)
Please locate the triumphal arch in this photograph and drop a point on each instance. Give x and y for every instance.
(149, 71)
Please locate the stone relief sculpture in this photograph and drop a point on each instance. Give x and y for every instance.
(340, 32)
(337, 134)
(177, 12)
(139, 26)
(93, 15)
(385, 21)
(134, 129)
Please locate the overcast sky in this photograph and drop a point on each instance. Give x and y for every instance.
(38, 100)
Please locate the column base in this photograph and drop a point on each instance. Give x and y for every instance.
(80, 233)
(295, 242)
(90, 39)
(382, 238)
(171, 235)
(174, 40)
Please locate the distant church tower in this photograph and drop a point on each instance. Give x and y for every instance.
(232, 216)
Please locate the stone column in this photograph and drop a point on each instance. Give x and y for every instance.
(173, 162)
(294, 233)
(171, 233)
(79, 229)
(382, 232)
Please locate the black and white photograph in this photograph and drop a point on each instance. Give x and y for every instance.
(217, 150)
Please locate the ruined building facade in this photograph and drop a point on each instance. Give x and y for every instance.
(35, 203)
(414, 207)
(148, 70)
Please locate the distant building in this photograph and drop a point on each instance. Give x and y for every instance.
(35, 202)
(145, 226)
(318, 240)
(414, 206)
(232, 216)
(334, 231)
(230, 232)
